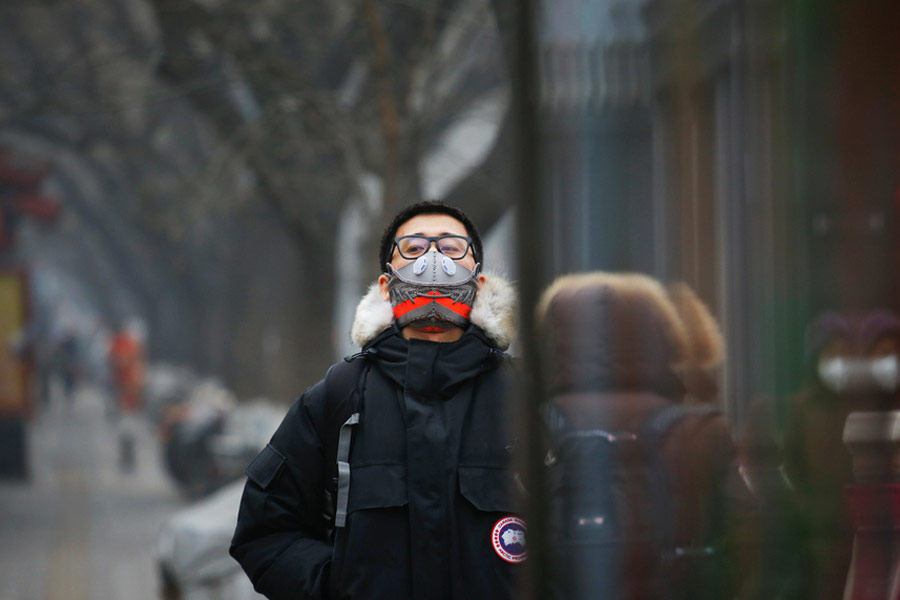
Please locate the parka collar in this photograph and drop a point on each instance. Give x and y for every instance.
(422, 366)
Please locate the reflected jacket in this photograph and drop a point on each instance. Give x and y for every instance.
(429, 470)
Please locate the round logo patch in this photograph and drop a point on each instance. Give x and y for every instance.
(508, 538)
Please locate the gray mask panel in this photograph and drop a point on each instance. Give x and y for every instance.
(432, 290)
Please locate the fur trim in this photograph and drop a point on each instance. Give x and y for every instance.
(494, 310)
(707, 347)
(373, 315)
(633, 288)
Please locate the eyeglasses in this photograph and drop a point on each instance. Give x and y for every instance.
(414, 246)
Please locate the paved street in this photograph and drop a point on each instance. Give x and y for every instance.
(80, 529)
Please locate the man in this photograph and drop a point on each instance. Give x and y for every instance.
(419, 504)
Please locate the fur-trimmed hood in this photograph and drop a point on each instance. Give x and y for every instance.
(604, 332)
(706, 346)
(494, 310)
(705, 342)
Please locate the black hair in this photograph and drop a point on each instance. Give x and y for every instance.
(427, 207)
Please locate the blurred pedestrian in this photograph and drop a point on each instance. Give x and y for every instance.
(126, 359)
(66, 363)
(852, 366)
(646, 494)
(391, 478)
(35, 348)
(127, 364)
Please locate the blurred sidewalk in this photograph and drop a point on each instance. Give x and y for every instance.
(80, 529)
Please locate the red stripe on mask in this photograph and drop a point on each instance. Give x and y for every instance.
(459, 308)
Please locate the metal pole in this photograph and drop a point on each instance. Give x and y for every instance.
(530, 253)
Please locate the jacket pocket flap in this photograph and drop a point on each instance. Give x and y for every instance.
(265, 467)
(488, 488)
(377, 486)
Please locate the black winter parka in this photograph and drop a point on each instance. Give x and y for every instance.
(429, 479)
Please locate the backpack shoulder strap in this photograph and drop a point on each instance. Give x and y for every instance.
(652, 433)
(342, 380)
(342, 390)
(661, 421)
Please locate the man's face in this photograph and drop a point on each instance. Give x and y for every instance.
(432, 226)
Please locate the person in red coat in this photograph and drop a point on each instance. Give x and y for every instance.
(127, 364)
(126, 359)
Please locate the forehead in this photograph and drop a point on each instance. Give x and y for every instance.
(835, 347)
(431, 225)
(888, 344)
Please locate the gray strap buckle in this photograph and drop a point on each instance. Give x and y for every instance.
(343, 467)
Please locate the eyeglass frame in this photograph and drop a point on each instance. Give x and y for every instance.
(431, 239)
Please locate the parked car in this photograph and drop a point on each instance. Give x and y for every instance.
(192, 551)
(244, 432)
(186, 431)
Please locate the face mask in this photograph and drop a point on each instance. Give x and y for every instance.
(851, 376)
(434, 290)
(886, 372)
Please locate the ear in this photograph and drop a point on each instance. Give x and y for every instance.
(383, 286)
(480, 279)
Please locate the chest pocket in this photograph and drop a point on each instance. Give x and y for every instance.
(489, 489)
(377, 486)
(374, 544)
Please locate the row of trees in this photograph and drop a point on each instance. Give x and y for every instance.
(206, 151)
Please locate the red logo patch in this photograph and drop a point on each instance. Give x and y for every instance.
(508, 539)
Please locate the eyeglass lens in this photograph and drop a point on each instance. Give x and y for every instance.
(452, 246)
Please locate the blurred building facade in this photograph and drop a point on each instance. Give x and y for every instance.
(747, 147)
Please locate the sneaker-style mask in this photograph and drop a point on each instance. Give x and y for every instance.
(432, 291)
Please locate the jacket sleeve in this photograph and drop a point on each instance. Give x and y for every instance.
(737, 520)
(281, 539)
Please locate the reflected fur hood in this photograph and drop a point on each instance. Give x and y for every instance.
(609, 332)
(706, 346)
(494, 311)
